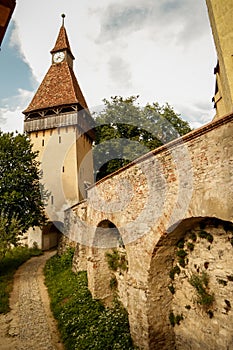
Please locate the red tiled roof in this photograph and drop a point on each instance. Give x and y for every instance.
(62, 42)
(58, 88)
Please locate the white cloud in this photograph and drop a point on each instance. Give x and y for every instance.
(120, 71)
(197, 115)
(11, 117)
(174, 18)
(16, 43)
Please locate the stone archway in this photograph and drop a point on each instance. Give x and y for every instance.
(199, 248)
(107, 249)
(50, 236)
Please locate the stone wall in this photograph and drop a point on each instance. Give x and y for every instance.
(198, 250)
(169, 189)
(207, 309)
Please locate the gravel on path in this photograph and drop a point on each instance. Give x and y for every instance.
(30, 324)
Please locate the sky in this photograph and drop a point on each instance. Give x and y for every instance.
(161, 50)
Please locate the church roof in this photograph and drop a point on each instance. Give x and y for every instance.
(58, 88)
(62, 42)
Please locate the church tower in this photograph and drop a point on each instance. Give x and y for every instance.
(60, 127)
(220, 15)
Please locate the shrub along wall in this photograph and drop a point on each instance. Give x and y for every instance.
(84, 323)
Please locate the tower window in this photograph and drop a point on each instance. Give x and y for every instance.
(59, 139)
(63, 169)
(51, 132)
(52, 200)
(36, 134)
(43, 143)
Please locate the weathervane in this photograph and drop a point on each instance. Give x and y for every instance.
(63, 18)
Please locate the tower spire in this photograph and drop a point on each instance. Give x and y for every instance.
(62, 42)
(63, 19)
(60, 87)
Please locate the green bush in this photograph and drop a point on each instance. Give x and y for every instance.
(84, 323)
(67, 258)
(8, 265)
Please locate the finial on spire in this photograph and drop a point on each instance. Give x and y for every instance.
(63, 19)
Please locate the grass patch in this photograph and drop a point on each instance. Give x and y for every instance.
(84, 323)
(8, 266)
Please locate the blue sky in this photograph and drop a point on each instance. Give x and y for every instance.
(19, 69)
(161, 50)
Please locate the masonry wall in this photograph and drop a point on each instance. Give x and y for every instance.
(188, 179)
(191, 277)
(209, 312)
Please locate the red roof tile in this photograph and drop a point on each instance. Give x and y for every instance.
(62, 42)
(58, 88)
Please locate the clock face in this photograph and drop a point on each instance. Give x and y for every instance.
(58, 57)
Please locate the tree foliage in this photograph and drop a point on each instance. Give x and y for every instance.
(21, 196)
(124, 131)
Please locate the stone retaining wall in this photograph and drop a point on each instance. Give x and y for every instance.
(160, 195)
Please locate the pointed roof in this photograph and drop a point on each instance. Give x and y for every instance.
(62, 42)
(58, 88)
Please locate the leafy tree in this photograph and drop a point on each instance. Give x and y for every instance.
(124, 131)
(21, 196)
(9, 231)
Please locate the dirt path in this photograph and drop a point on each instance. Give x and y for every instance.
(30, 324)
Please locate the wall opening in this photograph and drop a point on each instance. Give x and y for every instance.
(108, 263)
(50, 236)
(197, 253)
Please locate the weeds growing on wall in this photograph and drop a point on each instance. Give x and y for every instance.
(206, 235)
(84, 323)
(175, 319)
(200, 283)
(175, 270)
(116, 261)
